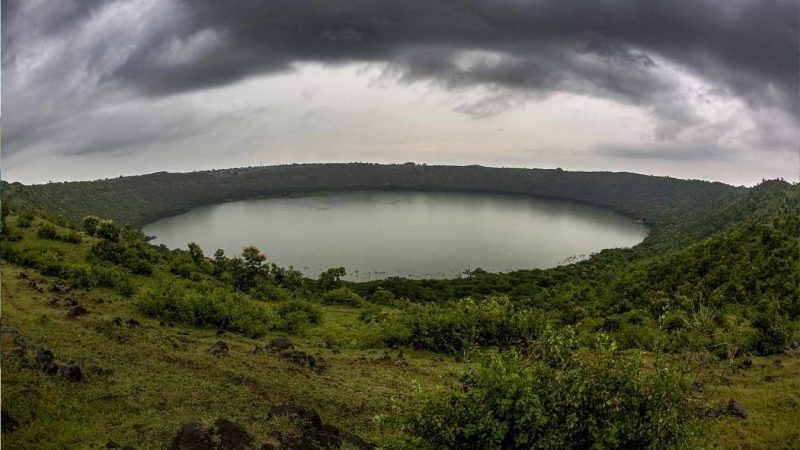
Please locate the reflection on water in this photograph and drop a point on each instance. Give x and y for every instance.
(411, 234)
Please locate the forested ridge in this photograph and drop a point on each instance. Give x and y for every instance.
(690, 339)
(686, 206)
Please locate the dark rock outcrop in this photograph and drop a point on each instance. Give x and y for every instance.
(193, 436)
(220, 348)
(736, 409)
(231, 435)
(72, 372)
(280, 344)
(77, 311)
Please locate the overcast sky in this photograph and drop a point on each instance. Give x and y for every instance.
(687, 88)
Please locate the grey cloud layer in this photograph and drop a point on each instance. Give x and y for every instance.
(749, 46)
(60, 66)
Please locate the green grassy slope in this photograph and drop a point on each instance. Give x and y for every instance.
(143, 382)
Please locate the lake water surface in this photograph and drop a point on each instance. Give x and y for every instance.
(411, 234)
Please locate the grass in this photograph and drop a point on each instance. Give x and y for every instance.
(164, 376)
(143, 383)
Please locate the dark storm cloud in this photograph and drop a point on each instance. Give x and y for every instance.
(750, 47)
(517, 49)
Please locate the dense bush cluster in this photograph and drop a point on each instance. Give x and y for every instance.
(458, 326)
(555, 396)
(205, 306)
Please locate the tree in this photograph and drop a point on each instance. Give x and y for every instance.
(331, 278)
(90, 224)
(220, 262)
(107, 230)
(249, 268)
(196, 253)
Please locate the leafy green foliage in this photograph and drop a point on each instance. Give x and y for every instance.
(331, 278)
(296, 314)
(554, 396)
(341, 296)
(458, 326)
(205, 307)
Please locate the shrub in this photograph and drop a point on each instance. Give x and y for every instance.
(771, 333)
(25, 219)
(79, 275)
(296, 314)
(71, 236)
(373, 314)
(558, 397)
(90, 224)
(342, 296)
(47, 231)
(382, 296)
(455, 327)
(125, 287)
(207, 307)
(107, 230)
(268, 291)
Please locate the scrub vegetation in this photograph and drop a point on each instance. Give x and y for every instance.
(687, 340)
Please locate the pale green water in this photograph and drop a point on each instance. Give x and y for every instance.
(412, 234)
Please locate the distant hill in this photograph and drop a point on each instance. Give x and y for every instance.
(672, 207)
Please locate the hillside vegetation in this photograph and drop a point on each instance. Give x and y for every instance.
(689, 340)
(675, 207)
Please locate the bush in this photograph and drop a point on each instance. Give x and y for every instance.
(125, 287)
(771, 333)
(47, 231)
(71, 236)
(558, 397)
(80, 276)
(382, 296)
(25, 219)
(342, 296)
(296, 314)
(207, 307)
(270, 292)
(455, 327)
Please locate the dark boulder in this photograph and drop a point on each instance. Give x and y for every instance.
(299, 358)
(193, 436)
(231, 435)
(117, 321)
(50, 369)
(747, 362)
(320, 365)
(257, 351)
(736, 409)
(72, 372)
(77, 311)
(280, 344)
(132, 323)
(44, 356)
(58, 289)
(697, 387)
(7, 423)
(220, 348)
(297, 411)
(356, 441)
(54, 301)
(329, 436)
